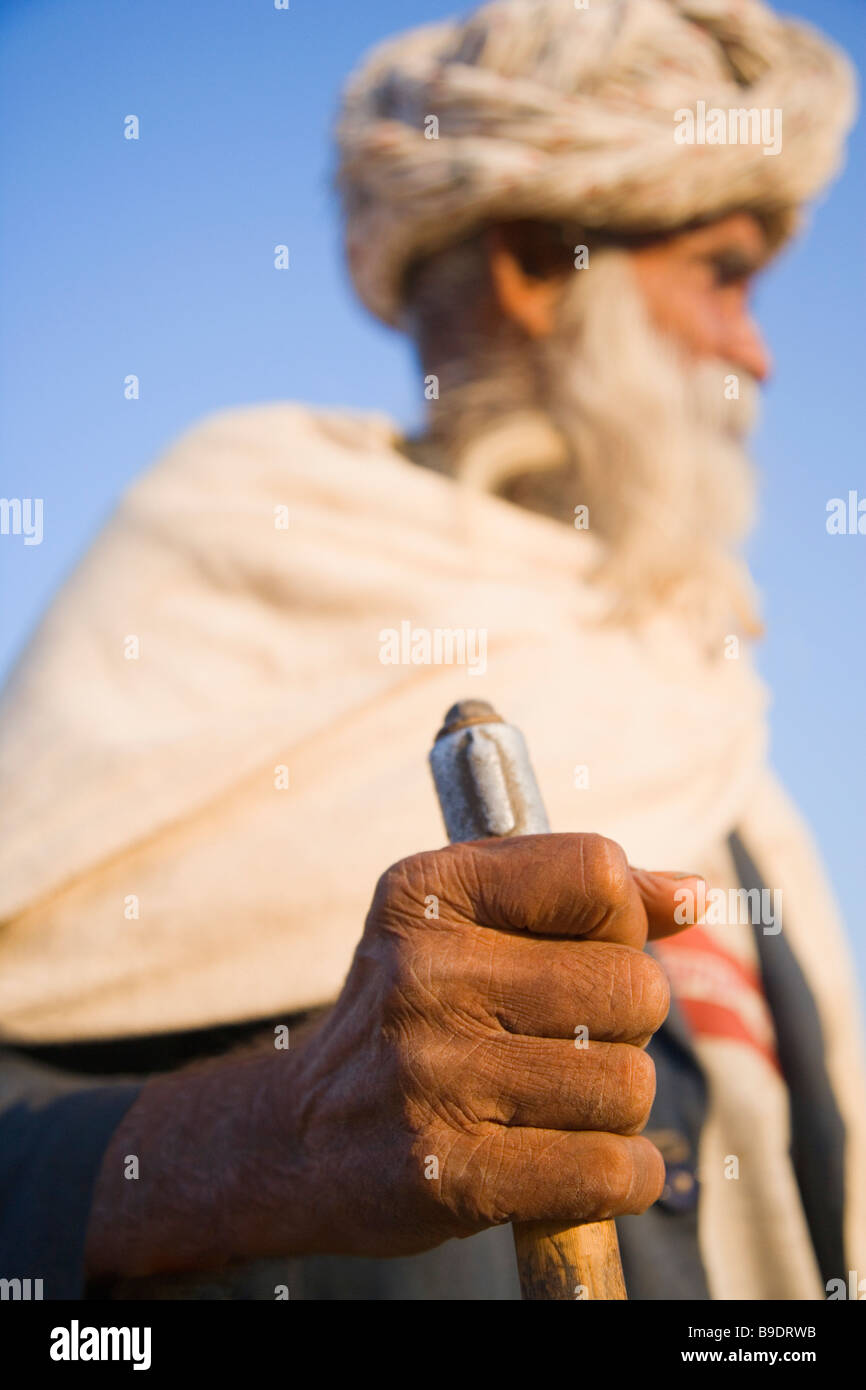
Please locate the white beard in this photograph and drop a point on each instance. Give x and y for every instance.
(657, 448)
(652, 446)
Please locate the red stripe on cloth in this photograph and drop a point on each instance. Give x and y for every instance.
(719, 995)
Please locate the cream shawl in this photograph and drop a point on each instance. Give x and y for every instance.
(192, 834)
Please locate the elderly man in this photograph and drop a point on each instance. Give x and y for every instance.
(217, 739)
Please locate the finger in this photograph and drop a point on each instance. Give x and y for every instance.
(556, 989)
(539, 1083)
(551, 885)
(504, 1175)
(670, 900)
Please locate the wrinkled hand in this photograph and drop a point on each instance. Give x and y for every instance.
(482, 1064)
(484, 1061)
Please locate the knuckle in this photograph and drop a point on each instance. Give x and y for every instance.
(652, 1168)
(606, 875)
(408, 969)
(402, 891)
(453, 874)
(648, 989)
(475, 1194)
(627, 1076)
(630, 1175)
(394, 888)
(465, 873)
(616, 1174)
(641, 1087)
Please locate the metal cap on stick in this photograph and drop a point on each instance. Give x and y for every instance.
(483, 776)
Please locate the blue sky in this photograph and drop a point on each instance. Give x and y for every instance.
(156, 257)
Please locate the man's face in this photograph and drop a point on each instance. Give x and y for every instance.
(696, 287)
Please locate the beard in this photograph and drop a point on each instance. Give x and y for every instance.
(651, 444)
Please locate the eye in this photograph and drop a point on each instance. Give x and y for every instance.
(730, 268)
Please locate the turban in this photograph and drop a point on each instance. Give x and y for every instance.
(540, 109)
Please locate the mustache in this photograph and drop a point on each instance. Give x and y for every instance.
(732, 411)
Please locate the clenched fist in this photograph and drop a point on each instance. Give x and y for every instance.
(484, 1063)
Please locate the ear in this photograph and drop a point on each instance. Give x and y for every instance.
(527, 300)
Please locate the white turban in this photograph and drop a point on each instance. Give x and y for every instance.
(550, 111)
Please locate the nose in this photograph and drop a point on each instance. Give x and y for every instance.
(747, 349)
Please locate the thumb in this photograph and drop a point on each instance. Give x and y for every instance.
(670, 899)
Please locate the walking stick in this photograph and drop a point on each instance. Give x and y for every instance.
(486, 787)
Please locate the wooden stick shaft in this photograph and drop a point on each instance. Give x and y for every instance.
(569, 1262)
